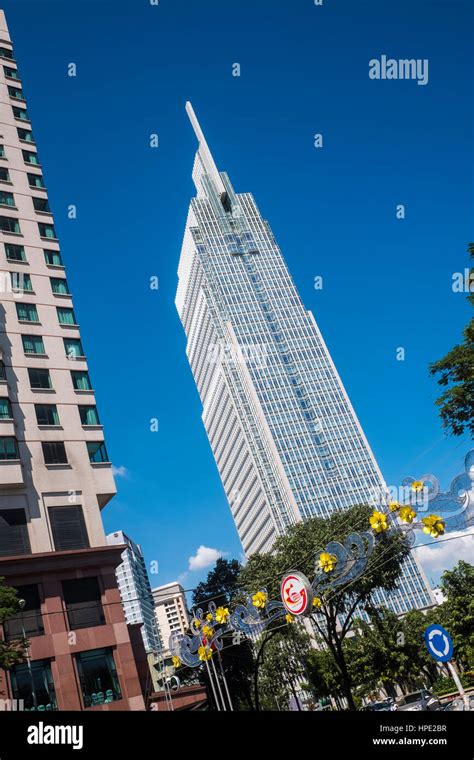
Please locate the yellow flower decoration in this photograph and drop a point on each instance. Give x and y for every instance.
(378, 522)
(205, 653)
(176, 661)
(289, 618)
(317, 602)
(207, 631)
(327, 562)
(417, 486)
(222, 614)
(394, 506)
(197, 623)
(259, 600)
(209, 617)
(407, 514)
(434, 526)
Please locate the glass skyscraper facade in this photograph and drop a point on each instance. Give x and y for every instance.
(285, 437)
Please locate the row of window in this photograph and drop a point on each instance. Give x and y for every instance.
(33, 345)
(15, 252)
(34, 180)
(68, 529)
(40, 379)
(54, 452)
(8, 199)
(11, 225)
(47, 414)
(27, 312)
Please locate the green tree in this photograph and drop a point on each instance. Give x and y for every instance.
(457, 612)
(11, 652)
(300, 546)
(455, 372)
(283, 666)
(221, 587)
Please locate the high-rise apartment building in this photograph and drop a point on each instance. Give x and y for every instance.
(135, 590)
(285, 437)
(55, 474)
(171, 612)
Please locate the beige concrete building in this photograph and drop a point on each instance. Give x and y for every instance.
(55, 474)
(171, 611)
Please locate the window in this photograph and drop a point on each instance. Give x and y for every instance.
(81, 381)
(11, 73)
(41, 204)
(14, 252)
(13, 533)
(3, 374)
(35, 180)
(30, 158)
(7, 199)
(30, 620)
(39, 379)
(8, 224)
(20, 113)
(6, 53)
(47, 231)
(2, 151)
(27, 312)
(21, 283)
(53, 258)
(47, 414)
(66, 316)
(54, 452)
(69, 529)
(4, 175)
(83, 603)
(59, 286)
(88, 415)
(33, 683)
(33, 344)
(73, 348)
(25, 134)
(15, 92)
(98, 677)
(8, 449)
(5, 409)
(97, 452)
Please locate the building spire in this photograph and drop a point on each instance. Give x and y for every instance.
(205, 154)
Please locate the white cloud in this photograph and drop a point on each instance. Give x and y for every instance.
(447, 551)
(119, 472)
(204, 557)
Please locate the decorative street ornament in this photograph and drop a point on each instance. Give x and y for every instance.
(297, 594)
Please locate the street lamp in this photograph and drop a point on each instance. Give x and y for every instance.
(22, 604)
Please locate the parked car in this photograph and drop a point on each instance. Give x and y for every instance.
(384, 706)
(419, 700)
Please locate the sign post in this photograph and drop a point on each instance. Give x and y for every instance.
(440, 646)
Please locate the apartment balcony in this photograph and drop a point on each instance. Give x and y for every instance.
(104, 482)
(11, 474)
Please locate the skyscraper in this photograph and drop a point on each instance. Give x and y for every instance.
(135, 590)
(285, 437)
(55, 474)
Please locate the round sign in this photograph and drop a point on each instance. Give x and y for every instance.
(439, 643)
(296, 593)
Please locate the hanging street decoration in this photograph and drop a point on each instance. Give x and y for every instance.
(297, 594)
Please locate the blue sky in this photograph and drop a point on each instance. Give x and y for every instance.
(387, 282)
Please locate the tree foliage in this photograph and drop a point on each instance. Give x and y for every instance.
(221, 587)
(455, 373)
(11, 652)
(298, 549)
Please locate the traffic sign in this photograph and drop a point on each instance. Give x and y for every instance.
(439, 643)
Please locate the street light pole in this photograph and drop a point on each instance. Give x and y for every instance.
(22, 603)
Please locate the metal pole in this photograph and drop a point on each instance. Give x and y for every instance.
(212, 686)
(457, 681)
(28, 661)
(218, 684)
(225, 682)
